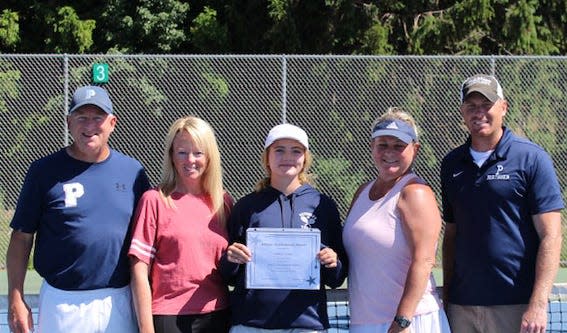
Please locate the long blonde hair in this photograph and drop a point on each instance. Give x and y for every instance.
(204, 136)
(304, 176)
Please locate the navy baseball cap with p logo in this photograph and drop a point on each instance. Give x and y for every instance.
(91, 95)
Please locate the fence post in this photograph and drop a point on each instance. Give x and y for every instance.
(284, 89)
(65, 98)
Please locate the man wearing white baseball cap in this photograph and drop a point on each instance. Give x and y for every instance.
(77, 203)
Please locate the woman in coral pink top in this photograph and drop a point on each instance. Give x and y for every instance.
(179, 236)
(390, 236)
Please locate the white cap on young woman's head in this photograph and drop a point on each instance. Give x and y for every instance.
(286, 131)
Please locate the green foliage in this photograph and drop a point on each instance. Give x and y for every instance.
(526, 111)
(208, 35)
(473, 13)
(283, 32)
(152, 94)
(9, 90)
(9, 30)
(27, 124)
(8, 85)
(428, 37)
(162, 22)
(524, 32)
(554, 17)
(119, 15)
(337, 173)
(278, 10)
(145, 26)
(129, 76)
(463, 27)
(215, 86)
(375, 40)
(69, 33)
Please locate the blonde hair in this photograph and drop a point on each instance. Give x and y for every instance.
(304, 176)
(204, 136)
(396, 113)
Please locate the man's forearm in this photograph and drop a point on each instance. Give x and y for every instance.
(17, 258)
(548, 226)
(547, 265)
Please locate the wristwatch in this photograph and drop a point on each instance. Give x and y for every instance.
(402, 321)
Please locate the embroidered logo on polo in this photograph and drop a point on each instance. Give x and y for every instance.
(498, 175)
(120, 187)
(307, 219)
(457, 174)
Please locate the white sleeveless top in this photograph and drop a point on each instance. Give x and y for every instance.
(379, 258)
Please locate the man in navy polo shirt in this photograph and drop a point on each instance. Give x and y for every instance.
(501, 204)
(78, 203)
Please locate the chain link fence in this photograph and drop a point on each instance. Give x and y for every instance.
(334, 98)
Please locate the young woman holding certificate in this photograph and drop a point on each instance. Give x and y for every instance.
(284, 199)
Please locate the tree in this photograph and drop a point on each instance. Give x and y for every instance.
(144, 26)
(460, 27)
(524, 31)
(468, 27)
(69, 34)
(208, 35)
(9, 30)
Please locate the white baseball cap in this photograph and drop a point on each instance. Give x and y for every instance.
(286, 131)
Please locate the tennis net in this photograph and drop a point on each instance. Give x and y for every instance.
(339, 315)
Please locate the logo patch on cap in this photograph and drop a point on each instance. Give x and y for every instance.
(392, 126)
(89, 93)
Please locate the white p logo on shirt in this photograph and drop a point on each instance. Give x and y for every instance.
(73, 191)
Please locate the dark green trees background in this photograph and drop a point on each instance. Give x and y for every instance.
(387, 27)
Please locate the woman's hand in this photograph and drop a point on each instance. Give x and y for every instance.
(327, 257)
(238, 253)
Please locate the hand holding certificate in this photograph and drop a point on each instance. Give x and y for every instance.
(283, 258)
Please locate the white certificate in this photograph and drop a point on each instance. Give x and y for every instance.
(283, 258)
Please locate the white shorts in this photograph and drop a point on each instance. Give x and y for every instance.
(248, 329)
(433, 322)
(107, 310)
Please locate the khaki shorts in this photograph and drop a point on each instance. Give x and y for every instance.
(485, 319)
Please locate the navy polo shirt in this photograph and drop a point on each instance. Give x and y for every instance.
(492, 206)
